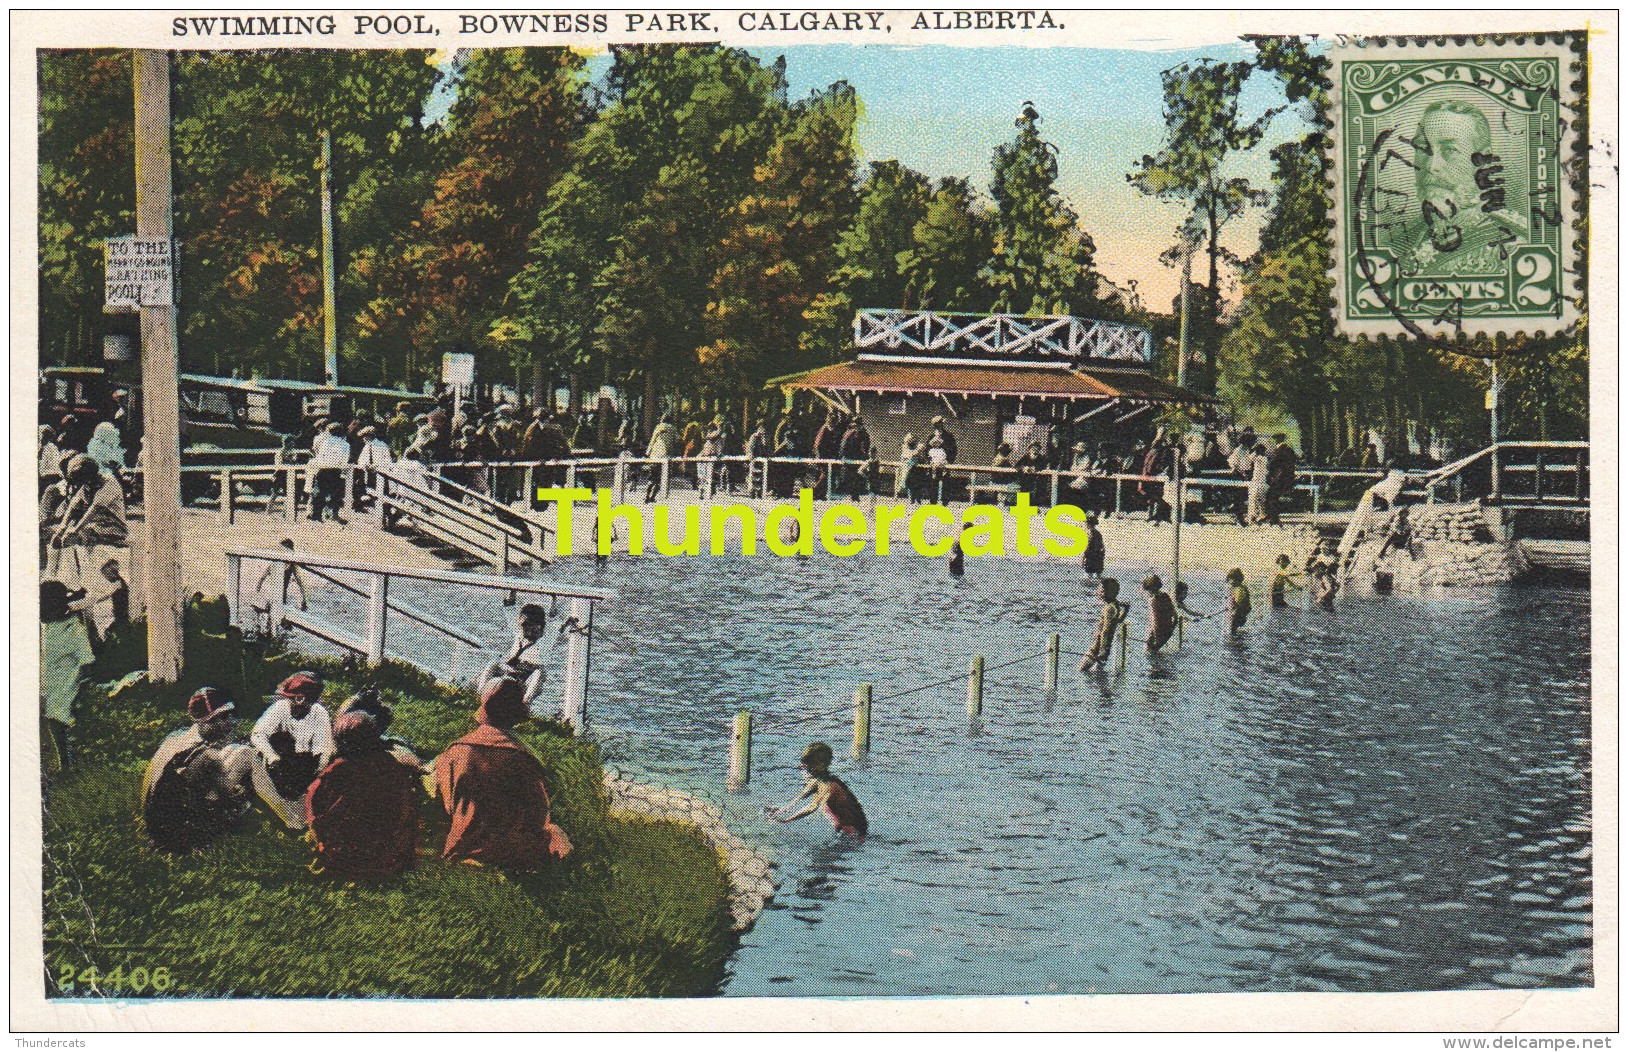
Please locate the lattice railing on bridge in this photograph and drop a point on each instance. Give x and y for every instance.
(1064, 339)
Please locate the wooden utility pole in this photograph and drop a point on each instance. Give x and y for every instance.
(330, 326)
(160, 378)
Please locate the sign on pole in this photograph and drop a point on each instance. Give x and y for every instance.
(140, 273)
(458, 370)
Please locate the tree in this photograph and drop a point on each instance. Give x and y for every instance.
(87, 188)
(633, 230)
(780, 247)
(951, 242)
(892, 200)
(506, 140)
(1041, 261)
(246, 139)
(1202, 130)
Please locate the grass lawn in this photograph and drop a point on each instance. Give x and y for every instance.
(640, 909)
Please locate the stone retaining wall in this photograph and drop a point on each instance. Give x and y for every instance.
(750, 881)
(1452, 548)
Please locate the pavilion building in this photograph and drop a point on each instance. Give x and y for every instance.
(997, 378)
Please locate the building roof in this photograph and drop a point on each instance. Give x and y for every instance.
(1128, 385)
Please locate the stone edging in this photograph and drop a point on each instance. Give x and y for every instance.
(750, 881)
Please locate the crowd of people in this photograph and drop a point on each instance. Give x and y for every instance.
(353, 787)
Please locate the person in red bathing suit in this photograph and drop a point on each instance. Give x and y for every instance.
(825, 789)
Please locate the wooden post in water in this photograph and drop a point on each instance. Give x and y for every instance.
(502, 559)
(1054, 648)
(740, 752)
(1119, 494)
(378, 611)
(293, 492)
(666, 478)
(1124, 645)
(619, 480)
(575, 702)
(975, 689)
(862, 721)
(1054, 477)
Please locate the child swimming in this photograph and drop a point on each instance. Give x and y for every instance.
(825, 789)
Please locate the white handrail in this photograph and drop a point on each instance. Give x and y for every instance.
(574, 700)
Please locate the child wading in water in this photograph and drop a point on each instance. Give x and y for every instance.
(825, 789)
(1282, 582)
(1108, 621)
(1238, 602)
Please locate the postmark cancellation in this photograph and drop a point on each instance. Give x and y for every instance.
(1454, 168)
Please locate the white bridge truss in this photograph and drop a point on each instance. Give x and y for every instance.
(1045, 339)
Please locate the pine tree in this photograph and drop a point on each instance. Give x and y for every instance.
(1041, 261)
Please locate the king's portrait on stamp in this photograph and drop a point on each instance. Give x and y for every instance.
(1452, 170)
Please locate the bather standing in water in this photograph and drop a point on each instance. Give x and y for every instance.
(1161, 613)
(1238, 601)
(1096, 550)
(958, 560)
(1111, 617)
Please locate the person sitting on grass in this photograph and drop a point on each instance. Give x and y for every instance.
(370, 702)
(826, 790)
(363, 807)
(1283, 582)
(294, 739)
(1238, 601)
(198, 784)
(492, 786)
(1161, 613)
(1112, 616)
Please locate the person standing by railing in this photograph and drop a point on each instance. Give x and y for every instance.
(663, 443)
(399, 430)
(855, 446)
(373, 457)
(1282, 466)
(787, 444)
(758, 449)
(93, 519)
(330, 455)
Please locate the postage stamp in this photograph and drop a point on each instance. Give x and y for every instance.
(1455, 172)
(759, 518)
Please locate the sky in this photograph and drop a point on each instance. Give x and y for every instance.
(942, 110)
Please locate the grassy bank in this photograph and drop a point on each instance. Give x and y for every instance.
(640, 909)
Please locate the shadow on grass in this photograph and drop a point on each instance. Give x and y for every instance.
(640, 909)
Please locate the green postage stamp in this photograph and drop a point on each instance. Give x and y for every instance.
(1453, 169)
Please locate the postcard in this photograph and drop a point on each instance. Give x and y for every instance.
(814, 519)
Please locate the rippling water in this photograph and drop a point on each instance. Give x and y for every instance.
(1392, 797)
